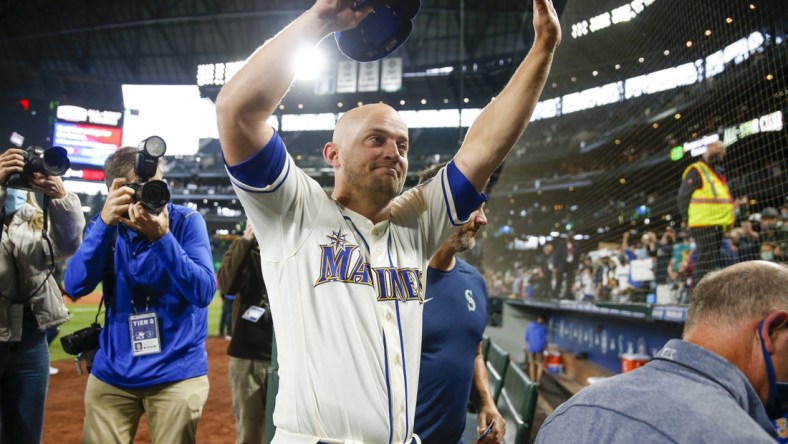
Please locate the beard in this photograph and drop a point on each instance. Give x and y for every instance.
(463, 241)
(390, 188)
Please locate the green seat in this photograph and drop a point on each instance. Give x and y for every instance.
(270, 402)
(497, 365)
(485, 346)
(517, 404)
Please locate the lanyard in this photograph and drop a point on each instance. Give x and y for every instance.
(129, 257)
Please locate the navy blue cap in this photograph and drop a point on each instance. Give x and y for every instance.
(381, 32)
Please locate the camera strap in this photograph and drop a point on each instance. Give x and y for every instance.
(131, 298)
(98, 312)
(47, 200)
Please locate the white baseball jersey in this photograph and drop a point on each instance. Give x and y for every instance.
(345, 296)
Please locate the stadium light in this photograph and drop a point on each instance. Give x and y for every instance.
(309, 62)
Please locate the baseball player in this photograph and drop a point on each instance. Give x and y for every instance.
(345, 271)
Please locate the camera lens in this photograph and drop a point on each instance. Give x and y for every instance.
(154, 195)
(55, 161)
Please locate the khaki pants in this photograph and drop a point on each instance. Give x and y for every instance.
(112, 414)
(248, 381)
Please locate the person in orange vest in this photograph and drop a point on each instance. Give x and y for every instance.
(706, 205)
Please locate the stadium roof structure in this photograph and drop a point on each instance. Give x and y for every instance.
(80, 52)
(83, 50)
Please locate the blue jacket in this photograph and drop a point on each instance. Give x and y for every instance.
(176, 272)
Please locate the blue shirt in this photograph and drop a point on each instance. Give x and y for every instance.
(172, 277)
(536, 337)
(455, 316)
(686, 394)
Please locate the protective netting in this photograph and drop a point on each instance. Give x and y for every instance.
(638, 92)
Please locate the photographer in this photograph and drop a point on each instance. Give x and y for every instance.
(151, 356)
(252, 335)
(30, 300)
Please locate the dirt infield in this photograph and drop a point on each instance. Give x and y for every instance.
(92, 298)
(65, 408)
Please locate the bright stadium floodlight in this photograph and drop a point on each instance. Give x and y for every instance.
(309, 63)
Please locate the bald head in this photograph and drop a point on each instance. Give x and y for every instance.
(740, 292)
(357, 118)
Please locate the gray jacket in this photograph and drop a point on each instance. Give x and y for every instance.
(25, 260)
(687, 394)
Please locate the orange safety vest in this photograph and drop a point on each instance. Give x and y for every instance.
(711, 204)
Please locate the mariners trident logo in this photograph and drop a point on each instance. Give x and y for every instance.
(341, 261)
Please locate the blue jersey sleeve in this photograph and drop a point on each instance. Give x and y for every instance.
(466, 198)
(262, 169)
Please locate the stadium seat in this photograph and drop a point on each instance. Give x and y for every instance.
(517, 405)
(485, 346)
(497, 364)
(270, 403)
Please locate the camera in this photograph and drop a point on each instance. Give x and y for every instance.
(47, 161)
(82, 340)
(152, 194)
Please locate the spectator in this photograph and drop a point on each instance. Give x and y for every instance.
(545, 274)
(602, 273)
(663, 254)
(30, 299)
(157, 274)
(252, 336)
(774, 231)
(771, 252)
(733, 356)
(563, 258)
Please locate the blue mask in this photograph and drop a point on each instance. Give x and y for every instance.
(14, 200)
(777, 402)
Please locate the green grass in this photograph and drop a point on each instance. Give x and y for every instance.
(82, 315)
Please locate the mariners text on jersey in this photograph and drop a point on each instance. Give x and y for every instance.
(343, 262)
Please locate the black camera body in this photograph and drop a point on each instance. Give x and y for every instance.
(152, 194)
(82, 340)
(47, 161)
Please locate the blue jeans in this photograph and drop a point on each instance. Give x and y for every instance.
(24, 377)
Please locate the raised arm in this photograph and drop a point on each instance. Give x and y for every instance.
(247, 101)
(503, 121)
